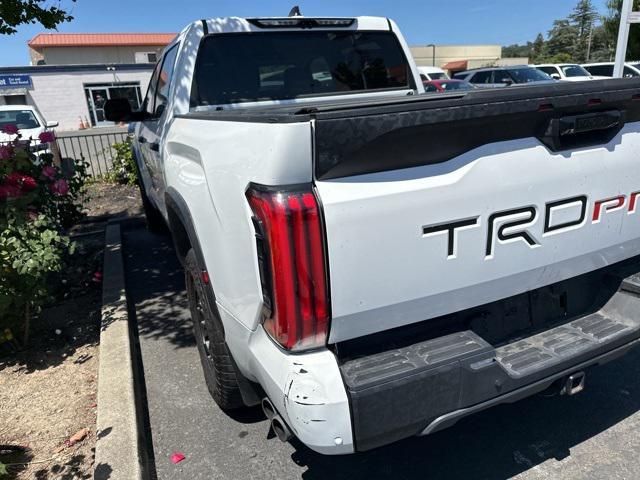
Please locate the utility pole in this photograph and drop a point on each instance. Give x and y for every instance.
(433, 54)
(589, 43)
(623, 38)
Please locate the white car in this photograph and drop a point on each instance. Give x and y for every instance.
(570, 72)
(432, 73)
(370, 263)
(27, 118)
(605, 69)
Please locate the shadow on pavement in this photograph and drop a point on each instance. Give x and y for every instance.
(495, 444)
(166, 303)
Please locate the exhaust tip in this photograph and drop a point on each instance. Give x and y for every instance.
(268, 409)
(280, 429)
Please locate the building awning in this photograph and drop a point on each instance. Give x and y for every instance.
(456, 65)
(100, 39)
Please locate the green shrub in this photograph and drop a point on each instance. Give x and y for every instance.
(37, 201)
(124, 168)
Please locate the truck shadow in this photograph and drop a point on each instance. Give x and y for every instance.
(502, 442)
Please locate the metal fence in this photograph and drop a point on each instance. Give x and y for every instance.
(94, 148)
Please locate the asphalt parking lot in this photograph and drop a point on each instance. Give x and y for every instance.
(593, 435)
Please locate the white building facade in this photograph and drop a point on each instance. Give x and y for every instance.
(71, 76)
(73, 95)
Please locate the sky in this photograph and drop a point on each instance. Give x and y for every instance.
(422, 22)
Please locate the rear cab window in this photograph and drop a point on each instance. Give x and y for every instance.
(253, 67)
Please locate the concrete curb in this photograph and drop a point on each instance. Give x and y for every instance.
(118, 446)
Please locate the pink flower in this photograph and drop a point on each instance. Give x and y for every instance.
(60, 187)
(10, 129)
(5, 152)
(47, 137)
(28, 183)
(21, 181)
(177, 457)
(9, 191)
(49, 172)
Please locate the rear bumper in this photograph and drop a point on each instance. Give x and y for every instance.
(427, 386)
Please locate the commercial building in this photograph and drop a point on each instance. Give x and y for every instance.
(71, 76)
(455, 58)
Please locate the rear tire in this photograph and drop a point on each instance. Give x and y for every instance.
(155, 222)
(219, 371)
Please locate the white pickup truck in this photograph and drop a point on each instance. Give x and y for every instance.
(370, 262)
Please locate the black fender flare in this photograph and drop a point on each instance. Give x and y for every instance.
(178, 211)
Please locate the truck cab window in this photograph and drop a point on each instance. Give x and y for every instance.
(148, 104)
(286, 65)
(164, 81)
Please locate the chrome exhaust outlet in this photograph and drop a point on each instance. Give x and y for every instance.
(280, 429)
(278, 425)
(268, 409)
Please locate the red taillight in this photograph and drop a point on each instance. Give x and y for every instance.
(290, 223)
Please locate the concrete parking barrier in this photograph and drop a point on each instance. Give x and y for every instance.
(118, 445)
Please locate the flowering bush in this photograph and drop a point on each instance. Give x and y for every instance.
(38, 200)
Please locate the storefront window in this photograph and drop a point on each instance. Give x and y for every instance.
(98, 94)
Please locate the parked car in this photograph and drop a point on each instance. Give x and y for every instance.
(446, 86)
(570, 72)
(493, 77)
(605, 69)
(27, 118)
(371, 264)
(432, 73)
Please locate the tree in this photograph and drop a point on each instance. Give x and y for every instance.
(538, 47)
(602, 50)
(582, 20)
(14, 13)
(563, 36)
(515, 50)
(611, 23)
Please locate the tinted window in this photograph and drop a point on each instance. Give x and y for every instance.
(431, 88)
(526, 75)
(601, 70)
(574, 71)
(548, 70)
(460, 75)
(438, 76)
(151, 91)
(482, 77)
(284, 65)
(23, 119)
(164, 81)
(628, 72)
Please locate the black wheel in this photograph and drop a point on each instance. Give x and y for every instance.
(219, 371)
(155, 222)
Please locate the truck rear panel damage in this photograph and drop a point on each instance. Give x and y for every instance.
(399, 387)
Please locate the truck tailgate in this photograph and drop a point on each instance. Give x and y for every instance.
(439, 206)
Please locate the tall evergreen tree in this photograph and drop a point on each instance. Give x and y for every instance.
(563, 37)
(583, 20)
(538, 49)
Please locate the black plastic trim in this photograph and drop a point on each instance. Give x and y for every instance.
(368, 139)
(452, 418)
(176, 204)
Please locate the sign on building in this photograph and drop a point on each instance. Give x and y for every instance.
(15, 81)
